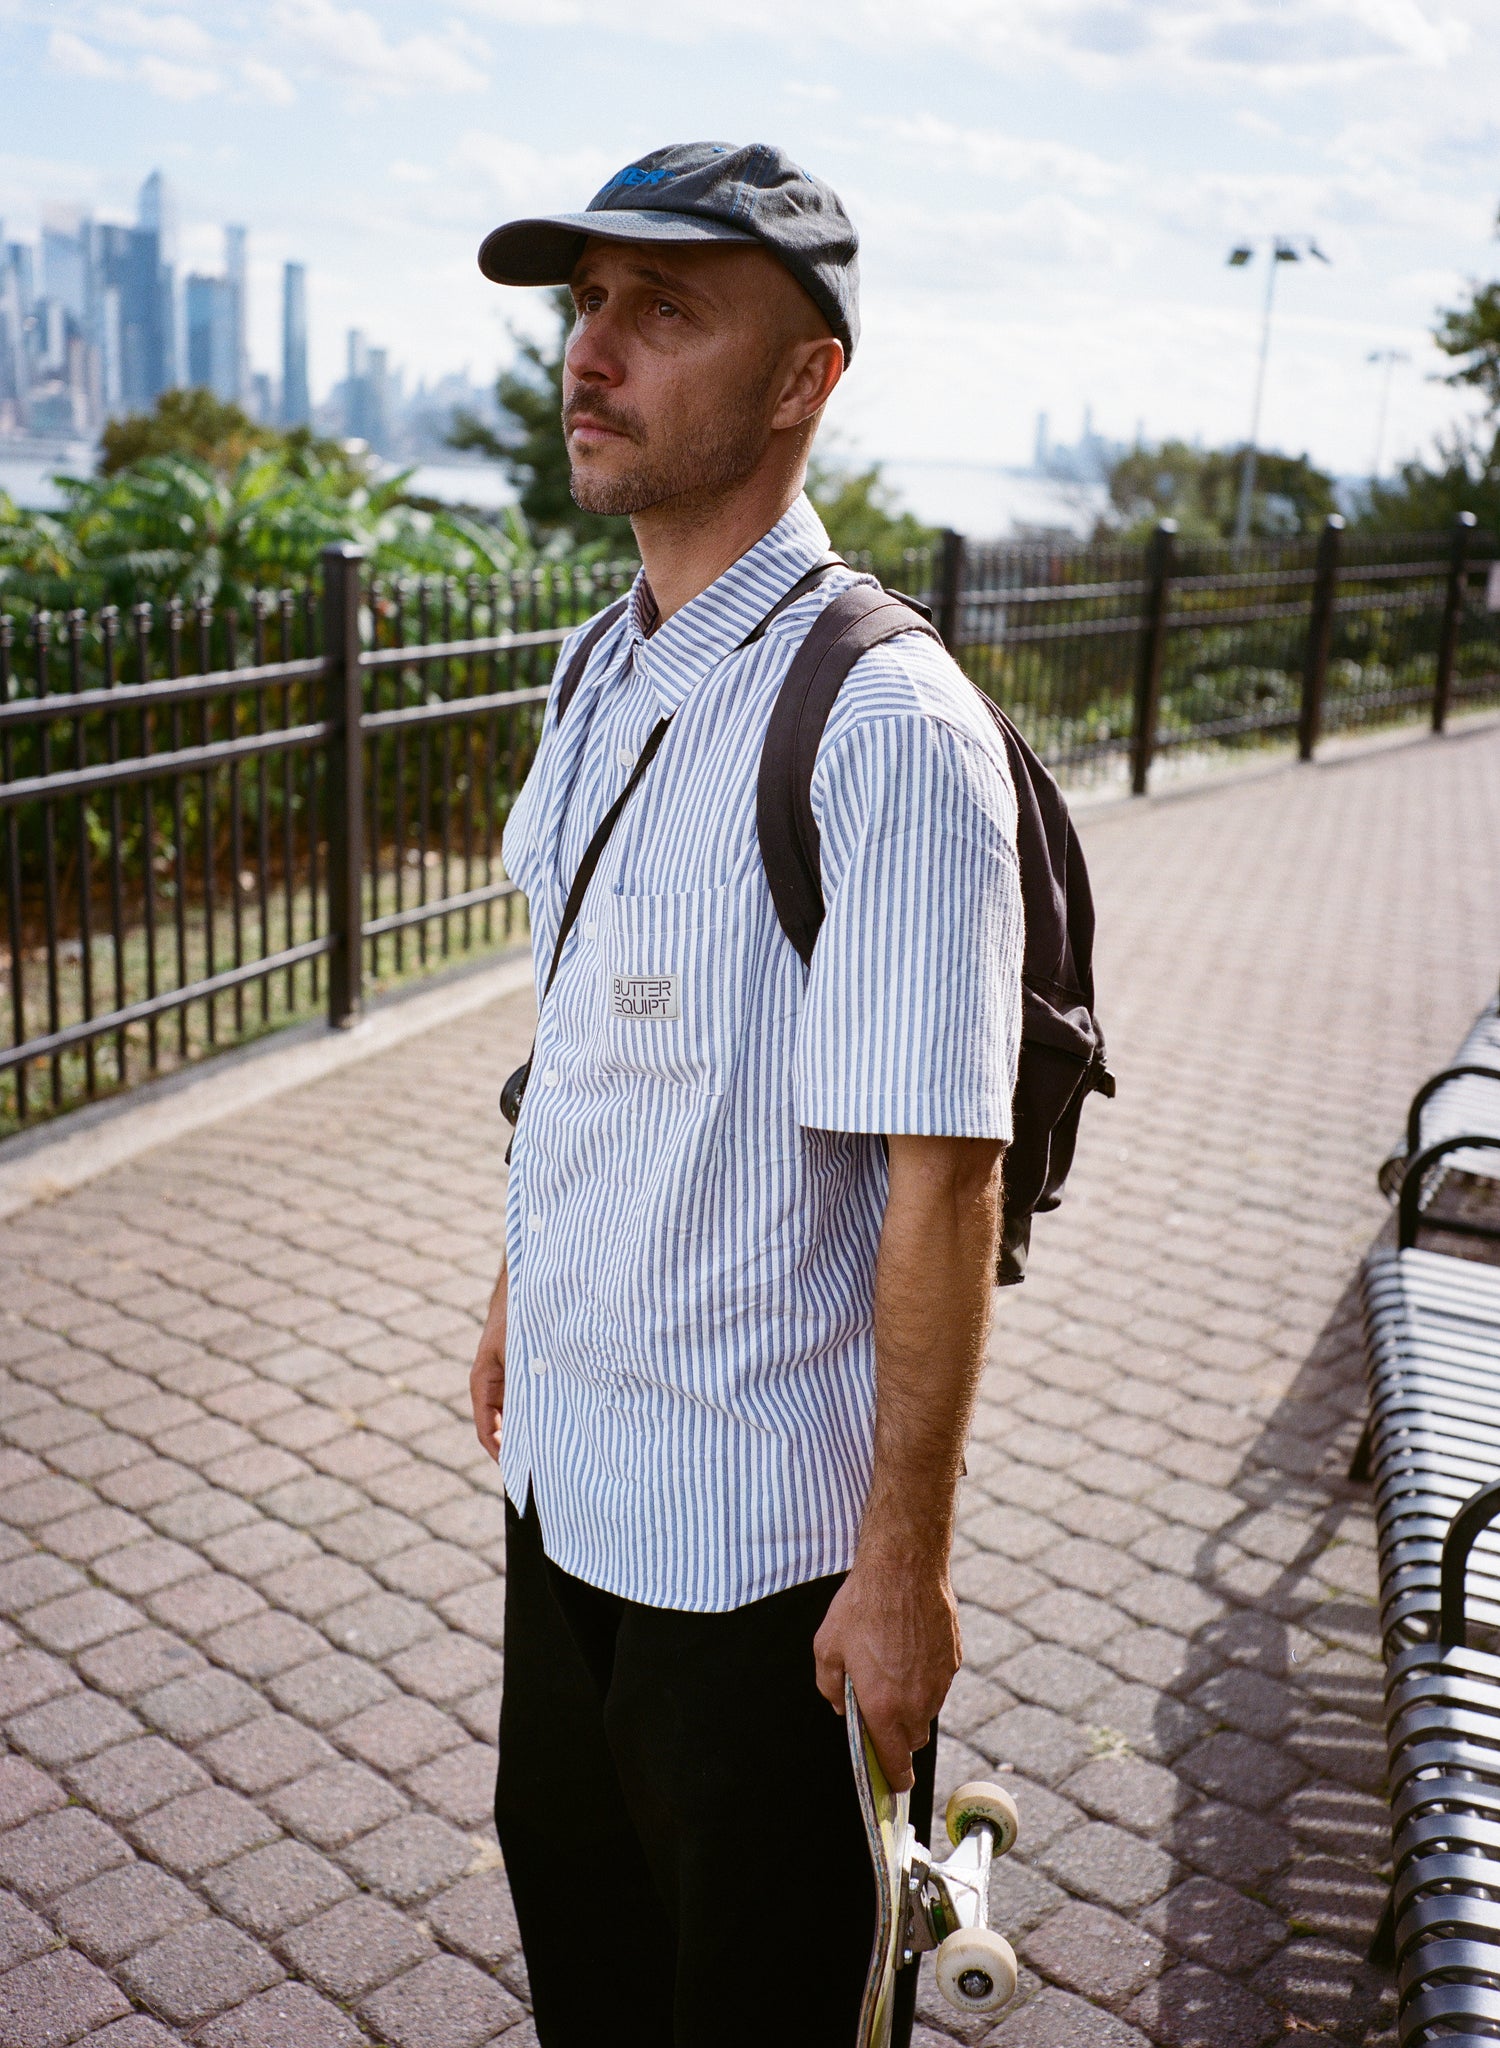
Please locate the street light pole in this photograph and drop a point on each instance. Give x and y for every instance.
(1280, 249)
(1389, 357)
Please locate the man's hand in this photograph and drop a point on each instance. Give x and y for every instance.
(487, 1374)
(893, 1628)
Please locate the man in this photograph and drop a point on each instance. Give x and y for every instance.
(750, 1221)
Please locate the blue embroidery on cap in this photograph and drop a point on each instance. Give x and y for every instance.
(633, 174)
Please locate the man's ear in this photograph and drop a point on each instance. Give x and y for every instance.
(813, 375)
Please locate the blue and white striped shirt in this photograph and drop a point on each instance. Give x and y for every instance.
(698, 1183)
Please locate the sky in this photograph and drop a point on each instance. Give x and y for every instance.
(1046, 190)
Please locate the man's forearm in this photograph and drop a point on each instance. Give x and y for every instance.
(933, 1285)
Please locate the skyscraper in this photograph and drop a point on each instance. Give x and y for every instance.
(156, 210)
(212, 337)
(128, 315)
(296, 407)
(234, 275)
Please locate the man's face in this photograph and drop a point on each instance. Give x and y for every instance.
(676, 373)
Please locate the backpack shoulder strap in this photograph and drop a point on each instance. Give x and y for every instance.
(594, 633)
(849, 625)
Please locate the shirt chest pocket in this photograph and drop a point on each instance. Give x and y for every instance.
(668, 999)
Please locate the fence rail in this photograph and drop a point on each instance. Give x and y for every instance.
(195, 853)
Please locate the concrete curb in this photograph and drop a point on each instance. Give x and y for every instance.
(38, 1165)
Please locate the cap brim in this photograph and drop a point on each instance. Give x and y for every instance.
(546, 250)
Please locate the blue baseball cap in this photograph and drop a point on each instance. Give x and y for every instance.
(701, 192)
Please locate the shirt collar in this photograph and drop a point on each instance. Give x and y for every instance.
(696, 639)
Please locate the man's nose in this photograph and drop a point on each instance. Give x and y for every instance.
(592, 355)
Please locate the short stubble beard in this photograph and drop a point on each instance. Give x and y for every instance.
(697, 467)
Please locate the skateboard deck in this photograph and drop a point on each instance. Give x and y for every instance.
(887, 1828)
(924, 1905)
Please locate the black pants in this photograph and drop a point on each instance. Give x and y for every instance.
(678, 1818)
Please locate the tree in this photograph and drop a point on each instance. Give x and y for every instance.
(1466, 476)
(1471, 335)
(1199, 488)
(863, 515)
(530, 447)
(207, 429)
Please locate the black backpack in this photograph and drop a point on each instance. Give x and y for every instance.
(1062, 1047)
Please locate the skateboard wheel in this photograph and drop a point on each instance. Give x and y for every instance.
(979, 1801)
(976, 1970)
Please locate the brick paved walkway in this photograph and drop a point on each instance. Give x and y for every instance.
(250, 1553)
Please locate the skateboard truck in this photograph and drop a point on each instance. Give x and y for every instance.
(946, 1906)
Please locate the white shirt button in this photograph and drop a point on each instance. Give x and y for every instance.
(590, 928)
(624, 756)
(536, 1226)
(550, 1077)
(539, 1366)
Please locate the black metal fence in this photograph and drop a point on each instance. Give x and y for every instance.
(213, 825)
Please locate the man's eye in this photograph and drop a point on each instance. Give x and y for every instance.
(665, 306)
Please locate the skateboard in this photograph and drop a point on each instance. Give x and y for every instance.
(924, 1905)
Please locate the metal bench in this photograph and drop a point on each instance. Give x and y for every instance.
(1453, 1126)
(1432, 1332)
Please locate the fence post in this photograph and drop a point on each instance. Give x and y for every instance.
(1453, 611)
(1159, 563)
(344, 781)
(1319, 636)
(950, 587)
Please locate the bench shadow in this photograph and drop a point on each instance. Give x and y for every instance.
(1285, 1805)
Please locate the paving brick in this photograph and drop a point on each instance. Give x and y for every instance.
(206, 1703)
(198, 1971)
(193, 1833)
(460, 1784)
(66, 1730)
(22, 1934)
(126, 1909)
(398, 1734)
(409, 1857)
(89, 1534)
(431, 1570)
(27, 1677)
(79, 1620)
(275, 1888)
(53, 2000)
(38, 1501)
(24, 1792)
(268, 1751)
(1044, 1744)
(1093, 1952)
(329, 1807)
(1323, 1987)
(1210, 1923)
(477, 1918)
(130, 1779)
(57, 1851)
(355, 1947)
(199, 1511)
(1056, 2019)
(480, 1713)
(29, 1580)
(379, 1626)
(290, 2013)
(1237, 1767)
(1191, 2007)
(1138, 1794)
(446, 1668)
(311, 1502)
(1230, 1843)
(265, 1644)
(314, 1586)
(478, 1610)
(1110, 1866)
(329, 1690)
(137, 1662)
(198, 1607)
(446, 2003)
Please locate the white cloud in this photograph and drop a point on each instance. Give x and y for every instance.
(169, 35)
(989, 153)
(171, 81)
(350, 43)
(266, 82)
(70, 53)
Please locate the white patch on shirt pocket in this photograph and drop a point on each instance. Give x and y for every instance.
(668, 1008)
(649, 997)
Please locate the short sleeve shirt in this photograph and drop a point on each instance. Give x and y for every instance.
(698, 1180)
